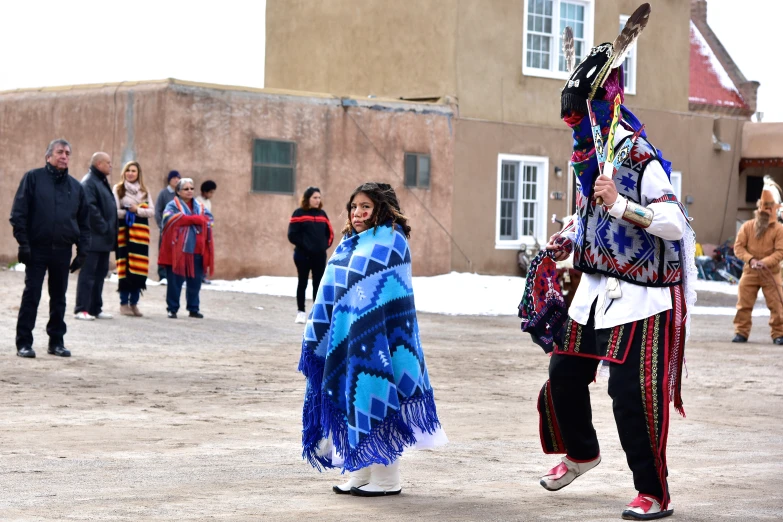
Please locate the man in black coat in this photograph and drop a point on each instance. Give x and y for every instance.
(103, 238)
(49, 216)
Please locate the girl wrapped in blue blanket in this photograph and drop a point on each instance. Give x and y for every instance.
(368, 393)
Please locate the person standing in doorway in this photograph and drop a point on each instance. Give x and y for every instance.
(311, 233)
(103, 238)
(134, 208)
(208, 189)
(165, 196)
(46, 234)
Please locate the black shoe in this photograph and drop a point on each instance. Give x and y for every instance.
(777, 340)
(59, 350)
(197, 315)
(741, 339)
(172, 315)
(26, 351)
(356, 492)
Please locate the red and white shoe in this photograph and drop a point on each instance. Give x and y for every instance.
(564, 473)
(646, 507)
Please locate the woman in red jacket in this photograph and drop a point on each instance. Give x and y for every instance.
(311, 233)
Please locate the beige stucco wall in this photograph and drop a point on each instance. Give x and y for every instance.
(709, 176)
(762, 140)
(361, 47)
(208, 133)
(471, 48)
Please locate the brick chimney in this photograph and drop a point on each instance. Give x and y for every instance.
(749, 91)
(699, 11)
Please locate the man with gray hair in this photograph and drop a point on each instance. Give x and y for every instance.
(49, 215)
(103, 238)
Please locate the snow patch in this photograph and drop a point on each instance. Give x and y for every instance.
(715, 65)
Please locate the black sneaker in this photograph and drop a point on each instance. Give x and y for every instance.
(172, 315)
(197, 315)
(26, 352)
(59, 350)
(739, 339)
(777, 340)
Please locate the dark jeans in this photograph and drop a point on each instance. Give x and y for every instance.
(304, 264)
(90, 284)
(131, 296)
(174, 290)
(56, 262)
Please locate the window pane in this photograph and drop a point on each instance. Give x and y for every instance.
(424, 172)
(508, 200)
(273, 179)
(410, 170)
(270, 152)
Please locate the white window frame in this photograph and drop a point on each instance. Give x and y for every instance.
(631, 87)
(542, 186)
(676, 179)
(553, 72)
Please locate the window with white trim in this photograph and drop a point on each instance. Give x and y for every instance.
(629, 65)
(521, 200)
(544, 23)
(676, 179)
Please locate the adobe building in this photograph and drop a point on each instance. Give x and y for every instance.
(499, 59)
(262, 147)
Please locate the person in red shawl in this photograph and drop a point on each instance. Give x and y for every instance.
(187, 250)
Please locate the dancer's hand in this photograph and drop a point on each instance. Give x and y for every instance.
(555, 244)
(605, 189)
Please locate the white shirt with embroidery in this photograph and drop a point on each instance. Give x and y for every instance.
(637, 301)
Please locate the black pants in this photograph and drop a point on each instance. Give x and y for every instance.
(640, 410)
(56, 262)
(304, 264)
(90, 285)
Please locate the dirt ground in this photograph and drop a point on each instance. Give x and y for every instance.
(159, 419)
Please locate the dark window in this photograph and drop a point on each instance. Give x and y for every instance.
(417, 170)
(274, 163)
(753, 187)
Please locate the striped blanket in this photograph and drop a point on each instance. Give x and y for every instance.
(133, 248)
(368, 389)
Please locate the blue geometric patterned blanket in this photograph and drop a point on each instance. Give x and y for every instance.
(367, 382)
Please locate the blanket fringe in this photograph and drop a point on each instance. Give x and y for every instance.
(383, 445)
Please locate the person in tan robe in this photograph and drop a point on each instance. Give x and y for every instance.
(760, 245)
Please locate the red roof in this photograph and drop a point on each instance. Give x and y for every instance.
(710, 84)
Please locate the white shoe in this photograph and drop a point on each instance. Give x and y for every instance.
(83, 316)
(164, 281)
(566, 472)
(301, 318)
(355, 479)
(384, 480)
(104, 315)
(645, 507)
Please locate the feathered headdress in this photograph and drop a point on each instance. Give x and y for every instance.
(602, 63)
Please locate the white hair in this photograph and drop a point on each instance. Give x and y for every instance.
(182, 181)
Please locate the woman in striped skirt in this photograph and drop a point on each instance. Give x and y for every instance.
(134, 210)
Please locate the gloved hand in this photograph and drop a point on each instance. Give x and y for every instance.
(77, 262)
(24, 256)
(130, 218)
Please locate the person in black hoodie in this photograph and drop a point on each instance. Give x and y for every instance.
(103, 239)
(49, 215)
(311, 233)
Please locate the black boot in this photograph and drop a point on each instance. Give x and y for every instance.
(740, 339)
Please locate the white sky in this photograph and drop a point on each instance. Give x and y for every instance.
(46, 42)
(64, 42)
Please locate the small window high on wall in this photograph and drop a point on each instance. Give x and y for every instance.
(417, 170)
(274, 166)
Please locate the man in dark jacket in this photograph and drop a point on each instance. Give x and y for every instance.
(165, 196)
(49, 216)
(103, 237)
